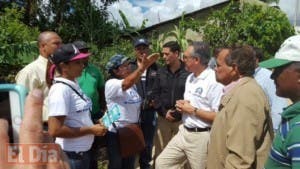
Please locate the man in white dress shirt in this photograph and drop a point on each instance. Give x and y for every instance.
(201, 101)
(33, 75)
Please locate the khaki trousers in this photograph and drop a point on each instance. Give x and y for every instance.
(166, 130)
(185, 145)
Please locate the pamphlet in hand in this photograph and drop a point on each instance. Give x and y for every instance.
(112, 115)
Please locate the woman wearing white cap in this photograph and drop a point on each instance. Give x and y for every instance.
(69, 108)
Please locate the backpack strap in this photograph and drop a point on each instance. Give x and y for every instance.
(80, 95)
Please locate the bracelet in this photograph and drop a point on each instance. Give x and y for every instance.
(195, 111)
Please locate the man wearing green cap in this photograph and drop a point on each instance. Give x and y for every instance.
(285, 151)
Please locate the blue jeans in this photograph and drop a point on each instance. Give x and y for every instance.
(97, 144)
(79, 160)
(114, 155)
(148, 126)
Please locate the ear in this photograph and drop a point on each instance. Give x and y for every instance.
(115, 71)
(177, 53)
(234, 69)
(197, 59)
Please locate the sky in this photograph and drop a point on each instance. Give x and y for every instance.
(156, 11)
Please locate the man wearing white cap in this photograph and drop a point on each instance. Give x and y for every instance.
(285, 151)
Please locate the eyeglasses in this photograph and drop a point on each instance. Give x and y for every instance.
(187, 57)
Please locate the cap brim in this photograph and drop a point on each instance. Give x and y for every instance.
(81, 48)
(141, 43)
(125, 59)
(80, 56)
(274, 62)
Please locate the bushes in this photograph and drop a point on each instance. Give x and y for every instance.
(17, 43)
(260, 26)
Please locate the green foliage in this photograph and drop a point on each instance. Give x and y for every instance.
(17, 42)
(157, 40)
(101, 56)
(72, 20)
(179, 33)
(263, 27)
(127, 29)
(270, 1)
(12, 30)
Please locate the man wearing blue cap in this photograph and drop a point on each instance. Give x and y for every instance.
(285, 151)
(145, 88)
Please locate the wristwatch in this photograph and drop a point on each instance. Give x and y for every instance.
(195, 111)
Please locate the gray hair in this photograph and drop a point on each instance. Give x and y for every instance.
(201, 50)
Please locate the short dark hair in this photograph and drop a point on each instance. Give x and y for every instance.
(259, 54)
(244, 58)
(202, 51)
(173, 45)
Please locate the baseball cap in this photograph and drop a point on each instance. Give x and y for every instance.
(141, 41)
(115, 61)
(67, 52)
(288, 52)
(80, 44)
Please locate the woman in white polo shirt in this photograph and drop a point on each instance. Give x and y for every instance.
(120, 91)
(69, 109)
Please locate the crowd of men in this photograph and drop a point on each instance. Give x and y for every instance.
(195, 114)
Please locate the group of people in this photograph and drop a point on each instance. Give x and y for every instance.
(195, 114)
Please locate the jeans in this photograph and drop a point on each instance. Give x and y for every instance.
(148, 126)
(114, 156)
(97, 144)
(79, 160)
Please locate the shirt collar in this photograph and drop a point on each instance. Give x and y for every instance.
(42, 59)
(291, 111)
(230, 86)
(203, 74)
(257, 70)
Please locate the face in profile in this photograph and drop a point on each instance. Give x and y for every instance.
(189, 61)
(224, 73)
(52, 44)
(286, 81)
(123, 70)
(141, 51)
(73, 69)
(169, 56)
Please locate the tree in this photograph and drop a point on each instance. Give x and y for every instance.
(260, 26)
(17, 42)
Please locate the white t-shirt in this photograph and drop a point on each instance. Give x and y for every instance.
(203, 92)
(63, 101)
(129, 102)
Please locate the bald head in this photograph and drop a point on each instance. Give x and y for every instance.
(48, 42)
(44, 37)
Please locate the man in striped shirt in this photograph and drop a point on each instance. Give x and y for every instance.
(285, 151)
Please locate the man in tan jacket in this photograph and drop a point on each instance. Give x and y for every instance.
(242, 130)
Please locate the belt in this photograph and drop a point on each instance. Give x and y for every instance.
(196, 129)
(76, 153)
